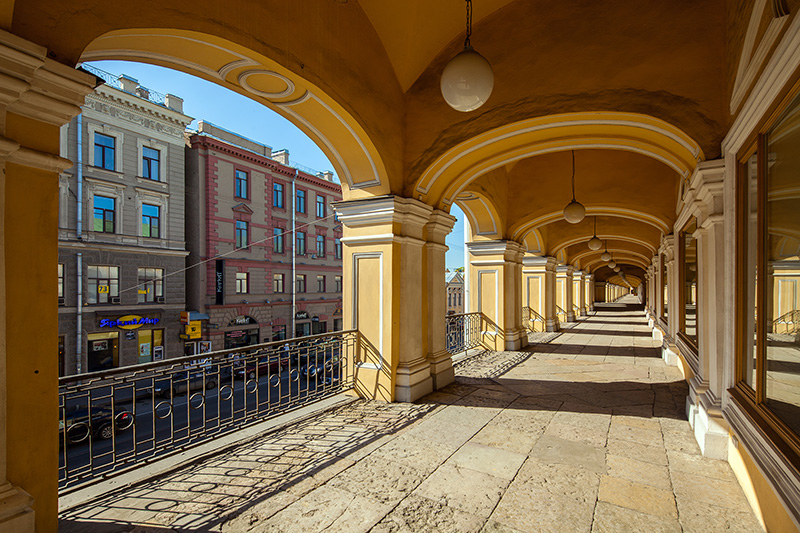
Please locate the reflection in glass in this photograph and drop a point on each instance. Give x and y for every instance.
(690, 281)
(750, 206)
(782, 161)
(664, 286)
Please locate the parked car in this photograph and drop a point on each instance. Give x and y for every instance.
(100, 423)
(206, 377)
(269, 364)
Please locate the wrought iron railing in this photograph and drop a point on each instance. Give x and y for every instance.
(788, 323)
(113, 421)
(561, 315)
(576, 310)
(464, 331)
(113, 81)
(530, 318)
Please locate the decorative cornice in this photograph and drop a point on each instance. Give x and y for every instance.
(33, 158)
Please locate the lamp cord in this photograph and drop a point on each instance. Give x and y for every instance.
(573, 176)
(469, 24)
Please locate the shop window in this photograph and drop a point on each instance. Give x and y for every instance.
(151, 221)
(241, 234)
(242, 283)
(337, 248)
(151, 285)
(277, 240)
(104, 214)
(689, 290)
(151, 162)
(320, 206)
(278, 333)
(62, 369)
(278, 283)
(301, 201)
(104, 151)
(60, 284)
(103, 351)
(103, 284)
(337, 324)
(151, 342)
(241, 184)
(320, 245)
(320, 283)
(277, 195)
(301, 283)
(768, 347)
(338, 282)
(301, 243)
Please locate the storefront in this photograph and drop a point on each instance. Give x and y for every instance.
(142, 335)
(244, 332)
(302, 324)
(318, 326)
(103, 351)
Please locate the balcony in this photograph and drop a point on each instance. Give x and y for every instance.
(584, 433)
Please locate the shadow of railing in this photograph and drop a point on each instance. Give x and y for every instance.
(469, 331)
(530, 318)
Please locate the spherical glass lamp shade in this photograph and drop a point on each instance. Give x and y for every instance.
(616, 269)
(467, 81)
(595, 243)
(574, 212)
(611, 264)
(606, 256)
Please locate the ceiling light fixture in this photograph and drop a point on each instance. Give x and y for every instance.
(595, 243)
(467, 80)
(606, 256)
(574, 212)
(611, 264)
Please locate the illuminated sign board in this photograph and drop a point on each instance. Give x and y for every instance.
(128, 322)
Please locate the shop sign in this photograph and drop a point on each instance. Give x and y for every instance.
(301, 314)
(242, 320)
(194, 330)
(128, 322)
(315, 318)
(130, 335)
(219, 282)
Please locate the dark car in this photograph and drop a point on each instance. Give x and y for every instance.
(79, 424)
(269, 364)
(205, 377)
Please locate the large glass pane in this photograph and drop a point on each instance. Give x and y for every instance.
(782, 160)
(750, 243)
(664, 288)
(690, 281)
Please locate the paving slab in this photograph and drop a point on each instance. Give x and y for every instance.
(583, 431)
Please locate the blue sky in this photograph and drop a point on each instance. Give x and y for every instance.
(207, 101)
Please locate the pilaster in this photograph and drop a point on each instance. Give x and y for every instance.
(564, 275)
(497, 270)
(544, 268)
(439, 359)
(581, 279)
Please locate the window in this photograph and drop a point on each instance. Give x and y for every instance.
(277, 195)
(320, 206)
(104, 209)
(459, 298)
(337, 248)
(768, 319)
(277, 283)
(664, 288)
(301, 243)
(241, 234)
(151, 285)
(277, 241)
(242, 285)
(338, 281)
(104, 151)
(301, 201)
(103, 284)
(301, 283)
(320, 283)
(151, 159)
(151, 221)
(240, 184)
(449, 299)
(60, 284)
(689, 282)
(320, 245)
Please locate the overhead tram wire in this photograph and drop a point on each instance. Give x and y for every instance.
(199, 263)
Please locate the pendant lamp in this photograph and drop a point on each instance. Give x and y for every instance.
(574, 212)
(595, 243)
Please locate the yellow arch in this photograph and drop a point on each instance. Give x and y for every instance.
(605, 236)
(482, 214)
(339, 135)
(518, 231)
(446, 177)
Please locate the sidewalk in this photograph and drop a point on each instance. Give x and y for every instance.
(586, 433)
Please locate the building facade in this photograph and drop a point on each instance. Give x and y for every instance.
(256, 281)
(121, 248)
(455, 292)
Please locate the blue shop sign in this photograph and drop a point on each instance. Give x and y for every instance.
(128, 322)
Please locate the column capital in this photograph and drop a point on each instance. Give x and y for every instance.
(565, 270)
(507, 250)
(539, 263)
(439, 226)
(384, 219)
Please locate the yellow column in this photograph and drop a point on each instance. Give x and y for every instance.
(581, 290)
(564, 280)
(496, 273)
(589, 290)
(441, 363)
(37, 96)
(534, 285)
(385, 294)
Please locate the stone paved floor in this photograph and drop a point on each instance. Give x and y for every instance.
(586, 433)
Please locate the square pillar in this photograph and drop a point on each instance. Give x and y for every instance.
(564, 274)
(37, 96)
(385, 294)
(439, 359)
(496, 271)
(589, 288)
(534, 288)
(580, 279)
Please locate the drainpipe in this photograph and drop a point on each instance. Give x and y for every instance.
(294, 254)
(79, 257)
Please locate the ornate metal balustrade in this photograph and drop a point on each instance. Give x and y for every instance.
(464, 331)
(530, 318)
(561, 315)
(788, 323)
(113, 421)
